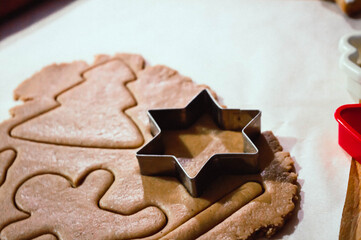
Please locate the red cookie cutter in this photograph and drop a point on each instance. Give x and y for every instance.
(349, 129)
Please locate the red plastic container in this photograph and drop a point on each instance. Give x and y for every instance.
(349, 129)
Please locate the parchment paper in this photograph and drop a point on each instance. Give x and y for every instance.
(277, 56)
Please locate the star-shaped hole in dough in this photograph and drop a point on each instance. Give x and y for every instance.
(201, 141)
(195, 145)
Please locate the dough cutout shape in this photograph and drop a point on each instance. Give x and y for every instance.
(194, 146)
(130, 193)
(7, 157)
(102, 97)
(46, 237)
(73, 212)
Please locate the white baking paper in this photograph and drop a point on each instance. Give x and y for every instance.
(277, 56)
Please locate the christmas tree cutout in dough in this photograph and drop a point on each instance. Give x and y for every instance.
(90, 114)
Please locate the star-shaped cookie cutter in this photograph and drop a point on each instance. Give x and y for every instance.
(152, 160)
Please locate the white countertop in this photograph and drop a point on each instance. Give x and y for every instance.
(277, 56)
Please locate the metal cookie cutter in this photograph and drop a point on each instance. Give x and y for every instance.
(152, 160)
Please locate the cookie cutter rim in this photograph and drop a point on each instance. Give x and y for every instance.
(349, 138)
(153, 162)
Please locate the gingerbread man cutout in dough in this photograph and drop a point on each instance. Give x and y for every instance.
(50, 193)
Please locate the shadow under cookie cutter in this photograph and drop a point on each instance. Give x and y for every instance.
(152, 160)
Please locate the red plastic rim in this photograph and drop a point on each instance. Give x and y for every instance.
(348, 113)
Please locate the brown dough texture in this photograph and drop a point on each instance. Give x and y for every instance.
(68, 168)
